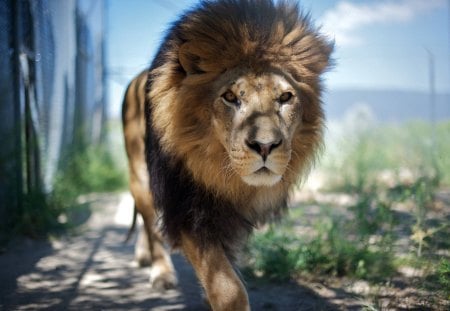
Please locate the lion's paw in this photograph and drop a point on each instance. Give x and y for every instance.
(162, 281)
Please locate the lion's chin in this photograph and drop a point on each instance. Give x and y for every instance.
(262, 178)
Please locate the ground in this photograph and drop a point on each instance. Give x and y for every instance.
(93, 269)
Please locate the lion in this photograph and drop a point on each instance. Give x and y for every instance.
(219, 130)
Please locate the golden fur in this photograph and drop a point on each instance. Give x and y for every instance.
(234, 116)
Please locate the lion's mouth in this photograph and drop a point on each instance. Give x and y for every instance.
(263, 170)
(262, 177)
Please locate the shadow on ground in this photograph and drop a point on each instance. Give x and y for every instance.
(94, 270)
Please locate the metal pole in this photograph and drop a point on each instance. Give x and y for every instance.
(432, 89)
(18, 101)
(448, 21)
(431, 64)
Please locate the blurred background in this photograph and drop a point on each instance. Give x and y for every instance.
(377, 205)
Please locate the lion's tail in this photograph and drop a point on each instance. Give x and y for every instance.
(132, 228)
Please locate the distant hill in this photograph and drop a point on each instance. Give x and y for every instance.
(386, 105)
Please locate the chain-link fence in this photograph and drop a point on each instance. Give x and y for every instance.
(52, 90)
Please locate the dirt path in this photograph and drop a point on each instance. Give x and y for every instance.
(93, 270)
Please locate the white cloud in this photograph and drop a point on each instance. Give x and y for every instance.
(342, 21)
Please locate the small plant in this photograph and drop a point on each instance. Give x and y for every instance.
(372, 214)
(421, 193)
(273, 254)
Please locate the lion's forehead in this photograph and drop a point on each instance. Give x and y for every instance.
(258, 85)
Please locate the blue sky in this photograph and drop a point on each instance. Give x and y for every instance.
(380, 44)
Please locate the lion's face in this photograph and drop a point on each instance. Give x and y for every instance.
(254, 117)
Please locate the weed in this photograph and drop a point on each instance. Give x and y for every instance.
(421, 193)
(39, 215)
(273, 254)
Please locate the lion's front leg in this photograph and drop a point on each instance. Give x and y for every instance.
(223, 287)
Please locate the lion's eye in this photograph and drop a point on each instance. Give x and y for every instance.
(230, 97)
(285, 97)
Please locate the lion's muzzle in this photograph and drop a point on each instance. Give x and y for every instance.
(265, 149)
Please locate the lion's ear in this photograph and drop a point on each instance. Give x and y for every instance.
(189, 59)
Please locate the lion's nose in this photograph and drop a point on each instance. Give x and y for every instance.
(263, 149)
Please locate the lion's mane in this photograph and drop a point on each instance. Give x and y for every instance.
(185, 162)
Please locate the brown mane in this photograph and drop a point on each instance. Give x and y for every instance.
(219, 36)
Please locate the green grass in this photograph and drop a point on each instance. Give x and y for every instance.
(443, 272)
(360, 157)
(280, 254)
(91, 169)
